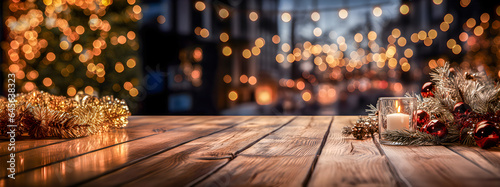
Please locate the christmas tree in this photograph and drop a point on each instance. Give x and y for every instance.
(67, 46)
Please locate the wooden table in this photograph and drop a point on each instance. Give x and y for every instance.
(243, 151)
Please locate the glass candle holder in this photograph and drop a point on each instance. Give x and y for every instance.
(396, 113)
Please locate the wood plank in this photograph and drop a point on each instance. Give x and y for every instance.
(26, 143)
(41, 156)
(283, 158)
(195, 159)
(71, 171)
(136, 122)
(436, 166)
(139, 120)
(23, 144)
(346, 161)
(487, 159)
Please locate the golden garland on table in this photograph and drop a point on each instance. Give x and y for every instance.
(41, 115)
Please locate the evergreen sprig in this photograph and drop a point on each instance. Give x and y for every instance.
(405, 137)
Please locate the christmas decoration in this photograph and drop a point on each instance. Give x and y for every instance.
(405, 137)
(66, 46)
(363, 127)
(436, 128)
(427, 89)
(358, 132)
(467, 136)
(422, 118)
(486, 134)
(469, 76)
(465, 109)
(41, 115)
(462, 108)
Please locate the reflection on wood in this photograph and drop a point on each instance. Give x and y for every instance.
(25, 143)
(95, 163)
(74, 147)
(243, 151)
(202, 155)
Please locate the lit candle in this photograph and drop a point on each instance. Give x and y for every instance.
(398, 120)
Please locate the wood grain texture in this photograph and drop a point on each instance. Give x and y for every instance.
(26, 143)
(436, 166)
(283, 158)
(346, 161)
(244, 151)
(181, 165)
(84, 167)
(487, 159)
(41, 156)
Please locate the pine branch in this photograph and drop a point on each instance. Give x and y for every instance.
(446, 90)
(372, 110)
(453, 133)
(479, 92)
(405, 137)
(468, 140)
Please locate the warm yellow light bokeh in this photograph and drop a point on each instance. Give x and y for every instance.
(200, 6)
(343, 13)
(404, 9)
(226, 50)
(224, 37)
(253, 16)
(286, 17)
(377, 11)
(315, 16)
(223, 13)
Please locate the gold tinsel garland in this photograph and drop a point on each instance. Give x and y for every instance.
(41, 114)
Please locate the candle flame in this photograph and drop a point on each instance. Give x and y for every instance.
(398, 106)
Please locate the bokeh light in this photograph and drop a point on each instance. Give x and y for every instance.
(377, 11)
(233, 95)
(253, 16)
(283, 59)
(200, 6)
(343, 13)
(286, 17)
(223, 13)
(315, 16)
(404, 9)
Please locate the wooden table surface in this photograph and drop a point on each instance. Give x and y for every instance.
(243, 151)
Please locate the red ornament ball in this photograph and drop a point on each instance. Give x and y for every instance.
(422, 117)
(436, 128)
(462, 108)
(427, 89)
(486, 134)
